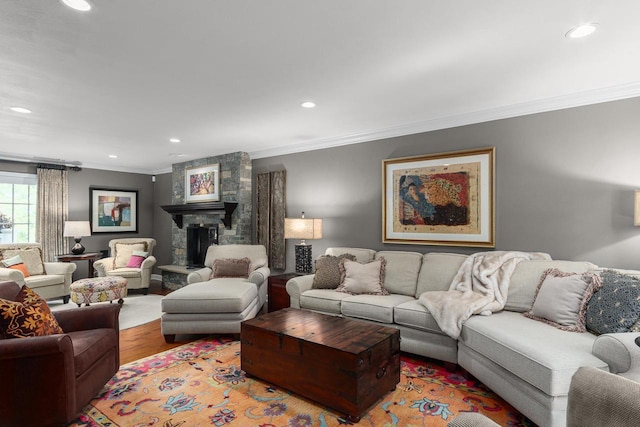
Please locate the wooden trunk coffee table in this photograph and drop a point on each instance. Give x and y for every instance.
(344, 364)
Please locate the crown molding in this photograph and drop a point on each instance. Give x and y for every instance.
(579, 99)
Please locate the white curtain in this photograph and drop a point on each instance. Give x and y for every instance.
(53, 211)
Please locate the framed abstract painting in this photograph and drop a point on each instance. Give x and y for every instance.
(440, 199)
(113, 211)
(202, 184)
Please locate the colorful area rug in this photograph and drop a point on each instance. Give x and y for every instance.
(201, 384)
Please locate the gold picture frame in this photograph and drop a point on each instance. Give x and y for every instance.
(202, 184)
(444, 199)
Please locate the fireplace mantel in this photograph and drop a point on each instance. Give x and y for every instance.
(211, 208)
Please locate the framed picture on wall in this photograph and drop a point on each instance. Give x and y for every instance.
(202, 184)
(440, 199)
(113, 211)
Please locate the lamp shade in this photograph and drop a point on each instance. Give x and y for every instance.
(76, 229)
(302, 228)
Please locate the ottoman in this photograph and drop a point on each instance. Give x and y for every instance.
(98, 289)
(216, 306)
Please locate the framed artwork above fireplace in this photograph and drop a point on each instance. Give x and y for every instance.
(202, 184)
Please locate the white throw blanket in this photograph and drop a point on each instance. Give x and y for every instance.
(480, 287)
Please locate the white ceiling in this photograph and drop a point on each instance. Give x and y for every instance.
(226, 76)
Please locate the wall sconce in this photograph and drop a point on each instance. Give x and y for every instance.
(637, 210)
(77, 230)
(304, 229)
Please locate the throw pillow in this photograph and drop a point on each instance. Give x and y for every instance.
(137, 258)
(359, 278)
(31, 257)
(15, 263)
(327, 275)
(561, 299)
(123, 252)
(231, 267)
(615, 307)
(27, 316)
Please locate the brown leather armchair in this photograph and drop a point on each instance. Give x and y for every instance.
(46, 381)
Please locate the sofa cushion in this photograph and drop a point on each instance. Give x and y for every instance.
(325, 300)
(561, 299)
(526, 277)
(123, 252)
(230, 295)
(543, 356)
(31, 257)
(378, 308)
(327, 275)
(615, 307)
(437, 271)
(415, 315)
(231, 267)
(27, 316)
(35, 282)
(129, 273)
(357, 278)
(362, 255)
(401, 271)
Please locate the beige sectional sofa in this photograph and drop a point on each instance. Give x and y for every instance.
(527, 362)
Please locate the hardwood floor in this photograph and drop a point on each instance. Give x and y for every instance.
(146, 340)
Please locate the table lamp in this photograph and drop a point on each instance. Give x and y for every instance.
(304, 229)
(77, 230)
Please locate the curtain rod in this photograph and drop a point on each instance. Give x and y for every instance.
(57, 167)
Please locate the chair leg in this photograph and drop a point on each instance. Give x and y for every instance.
(65, 299)
(169, 339)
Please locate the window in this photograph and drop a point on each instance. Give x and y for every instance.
(18, 197)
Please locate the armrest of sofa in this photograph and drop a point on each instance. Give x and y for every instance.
(201, 275)
(103, 265)
(86, 318)
(259, 276)
(13, 275)
(296, 286)
(149, 262)
(60, 267)
(621, 353)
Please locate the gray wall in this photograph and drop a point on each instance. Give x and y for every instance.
(162, 222)
(565, 184)
(79, 183)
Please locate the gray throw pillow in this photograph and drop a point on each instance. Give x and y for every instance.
(615, 307)
(327, 275)
(561, 299)
(231, 267)
(362, 279)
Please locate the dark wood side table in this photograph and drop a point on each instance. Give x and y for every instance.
(278, 296)
(90, 257)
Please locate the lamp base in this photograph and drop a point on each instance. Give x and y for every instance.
(77, 249)
(303, 259)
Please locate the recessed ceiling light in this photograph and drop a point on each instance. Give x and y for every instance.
(308, 104)
(581, 30)
(81, 5)
(113, 156)
(174, 140)
(22, 110)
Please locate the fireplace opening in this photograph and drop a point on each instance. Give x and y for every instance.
(199, 238)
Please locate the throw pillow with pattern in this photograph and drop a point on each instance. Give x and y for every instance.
(27, 316)
(327, 275)
(615, 307)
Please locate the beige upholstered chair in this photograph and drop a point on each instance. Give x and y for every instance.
(48, 279)
(116, 264)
